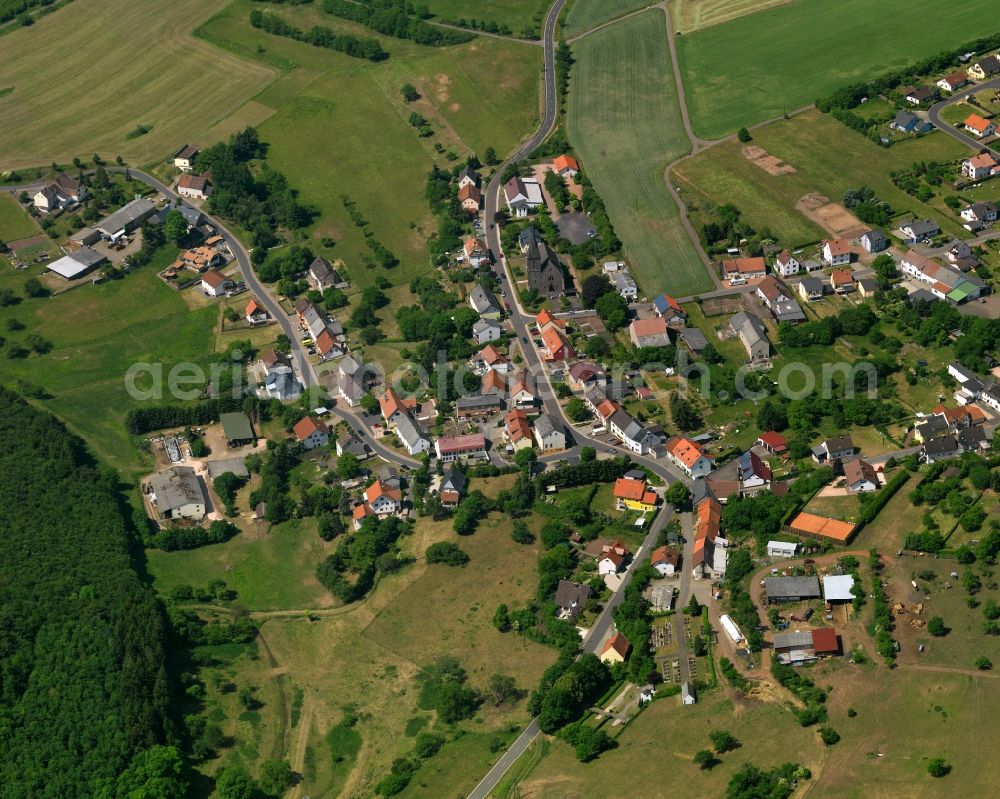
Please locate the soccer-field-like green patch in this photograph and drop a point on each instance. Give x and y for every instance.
(624, 121)
(762, 65)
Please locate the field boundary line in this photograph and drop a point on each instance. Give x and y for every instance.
(608, 23)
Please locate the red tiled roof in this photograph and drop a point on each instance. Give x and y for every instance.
(977, 123)
(561, 162)
(306, 426)
(619, 643)
(841, 277)
(390, 403)
(744, 265)
(708, 516)
(775, 441)
(215, 279)
(822, 526)
(380, 489)
(656, 326)
(838, 246)
(634, 490)
(686, 451)
(474, 441)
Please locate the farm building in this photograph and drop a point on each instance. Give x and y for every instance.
(731, 629)
(781, 549)
(837, 588)
(236, 428)
(822, 528)
(791, 589)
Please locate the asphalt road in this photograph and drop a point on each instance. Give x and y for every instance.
(934, 114)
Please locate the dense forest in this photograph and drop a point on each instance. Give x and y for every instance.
(83, 690)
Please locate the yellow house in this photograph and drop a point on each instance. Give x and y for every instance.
(632, 494)
(616, 649)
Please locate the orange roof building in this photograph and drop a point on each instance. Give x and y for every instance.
(978, 125)
(564, 164)
(616, 649)
(545, 318)
(633, 494)
(307, 425)
(555, 342)
(689, 456)
(821, 527)
(708, 517)
(492, 382)
(517, 428)
(744, 266)
(391, 404)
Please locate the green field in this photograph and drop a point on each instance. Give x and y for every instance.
(624, 122)
(131, 64)
(828, 157)
(337, 125)
(586, 14)
(759, 66)
(14, 222)
(97, 333)
(518, 15)
(257, 569)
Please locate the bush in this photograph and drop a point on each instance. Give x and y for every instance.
(446, 552)
(937, 767)
(936, 627)
(828, 735)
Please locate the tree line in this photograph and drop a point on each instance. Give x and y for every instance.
(320, 36)
(394, 18)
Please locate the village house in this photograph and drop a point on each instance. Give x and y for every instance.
(565, 165)
(982, 212)
(383, 501)
(523, 195)
(461, 448)
(740, 270)
(867, 287)
(649, 332)
(614, 557)
(477, 406)
(351, 381)
(555, 345)
(786, 264)
(255, 313)
(522, 391)
(492, 382)
(836, 252)
(921, 94)
(549, 435)
(670, 310)
(752, 334)
(196, 187)
(470, 198)
(177, 493)
(476, 252)
(940, 448)
(905, 122)
(980, 166)
(517, 431)
(874, 240)
(489, 357)
(944, 281)
(915, 231)
(665, 560)
(755, 475)
(778, 299)
(689, 457)
(486, 330)
(708, 557)
(452, 488)
(350, 443)
(468, 177)
(833, 449)
(811, 289)
(953, 81)
(694, 340)
(329, 345)
(860, 476)
(621, 279)
(484, 302)
(215, 284)
(985, 68)
(979, 127)
(62, 192)
(806, 646)
(411, 436)
(615, 649)
(584, 375)
(632, 493)
(571, 598)
(184, 157)
(631, 433)
(842, 281)
(311, 432)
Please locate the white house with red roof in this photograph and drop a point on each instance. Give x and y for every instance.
(979, 127)
(837, 252)
(455, 448)
(311, 432)
(215, 284)
(773, 442)
(614, 557)
(382, 500)
(980, 166)
(689, 457)
(256, 314)
(786, 264)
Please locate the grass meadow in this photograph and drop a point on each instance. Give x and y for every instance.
(339, 126)
(829, 158)
(586, 14)
(762, 65)
(97, 333)
(131, 64)
(624, 121)
(14, 222)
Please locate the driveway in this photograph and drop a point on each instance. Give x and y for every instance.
(575, 227)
